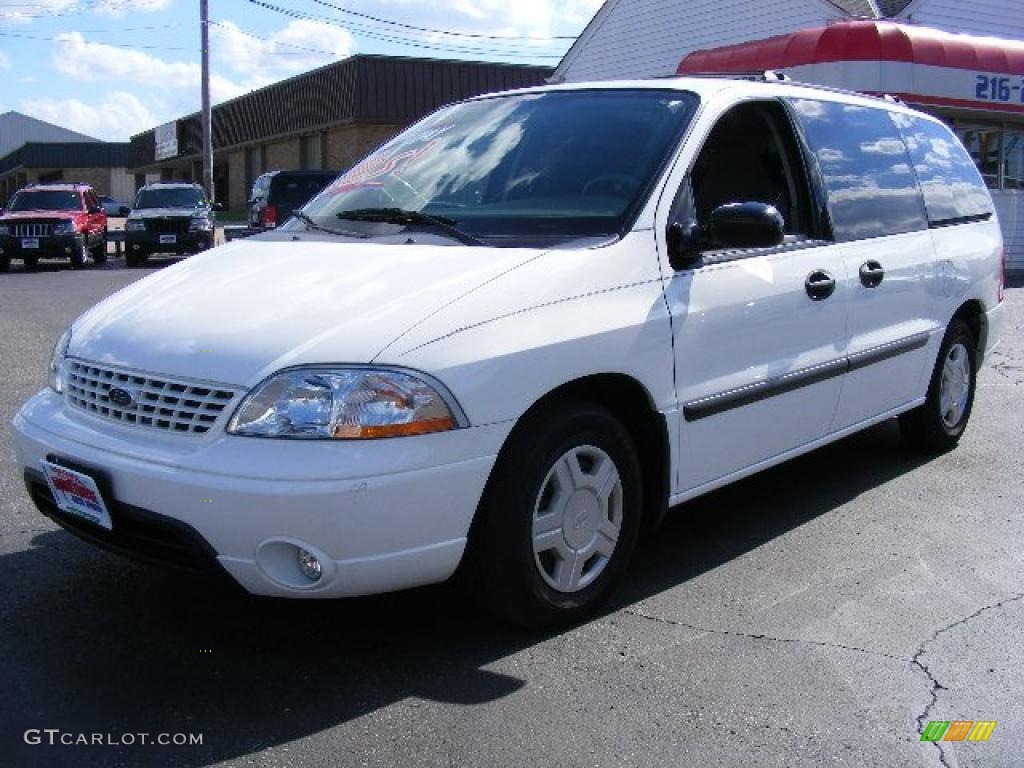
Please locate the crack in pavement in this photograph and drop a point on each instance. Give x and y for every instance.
(915, 660)
(750, 636)
(936, 686)
(1008, 367)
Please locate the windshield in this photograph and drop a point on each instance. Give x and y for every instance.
(182, 197)
(46, 200)
(545, 167)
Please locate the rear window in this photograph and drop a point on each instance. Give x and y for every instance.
(952, 186)
(296, 191)
(871, 187)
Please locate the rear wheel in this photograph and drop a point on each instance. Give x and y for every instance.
(938, 424)
(559, 519)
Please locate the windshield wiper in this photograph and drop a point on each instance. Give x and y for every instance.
(402, 216)
(310, 224)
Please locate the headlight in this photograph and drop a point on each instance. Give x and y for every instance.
(64, 228)
(134, 225)
(345, 403)
(200, 225)
(60, 351)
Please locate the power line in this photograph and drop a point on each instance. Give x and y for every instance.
(83, 41)
(399, 40)
(432, 31)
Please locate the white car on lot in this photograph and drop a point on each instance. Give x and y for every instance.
(511, 338)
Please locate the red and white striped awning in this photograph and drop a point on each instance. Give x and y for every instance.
(918, 64)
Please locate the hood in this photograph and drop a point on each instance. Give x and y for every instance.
(23, 215)
(240, 312)
(158, 213)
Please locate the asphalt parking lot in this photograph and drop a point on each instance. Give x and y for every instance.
(817, 614)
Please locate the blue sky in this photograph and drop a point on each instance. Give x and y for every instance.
(113, 68)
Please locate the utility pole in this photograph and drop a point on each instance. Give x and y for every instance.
(207, 122)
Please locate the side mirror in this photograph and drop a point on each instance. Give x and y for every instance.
(124, 211)
(746, 225)
(95, 209)
(217, 206)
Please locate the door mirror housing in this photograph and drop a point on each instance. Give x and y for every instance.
(124, 211)
(95, 209)
(217, 206)
(746, 225)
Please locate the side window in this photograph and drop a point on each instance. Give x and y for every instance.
(751, 155)
(91, 200)
(871, 188)
(953, 189)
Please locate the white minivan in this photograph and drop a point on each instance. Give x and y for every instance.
(511, 338)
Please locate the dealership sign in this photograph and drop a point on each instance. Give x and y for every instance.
(917, 64)
(166, 137)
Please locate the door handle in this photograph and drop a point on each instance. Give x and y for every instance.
(871, 274)
(820, 285)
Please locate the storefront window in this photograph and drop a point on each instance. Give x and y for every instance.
(1013, 160)
(983, 144)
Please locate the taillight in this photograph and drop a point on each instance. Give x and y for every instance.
(268, 216)
(1002, 275)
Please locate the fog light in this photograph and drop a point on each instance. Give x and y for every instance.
(135, 247)
(67, 250)
(309, 565)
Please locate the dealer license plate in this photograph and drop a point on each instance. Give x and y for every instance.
(168, 239)
(30, 242)
(77, 494)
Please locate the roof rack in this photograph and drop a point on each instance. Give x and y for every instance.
(758, 76)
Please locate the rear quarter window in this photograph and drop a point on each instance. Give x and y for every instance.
(869, 181)
(953, 188)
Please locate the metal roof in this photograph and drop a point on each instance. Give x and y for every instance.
(67, 154)
(363, 88)
(872, 9)
(17, 129)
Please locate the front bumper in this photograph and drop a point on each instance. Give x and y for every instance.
(145, 241)
(51, 246)
(380, 515)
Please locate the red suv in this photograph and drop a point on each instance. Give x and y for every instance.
(50, 220)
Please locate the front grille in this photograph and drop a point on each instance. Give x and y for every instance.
(172, 406)
(168, 226)
(33, 230)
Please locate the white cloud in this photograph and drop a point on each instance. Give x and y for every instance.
(5, 62)
(537, 18)
(78, 59)
(116, 117)
(27, 11)
(301, 45)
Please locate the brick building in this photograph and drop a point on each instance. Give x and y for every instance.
(328, 118)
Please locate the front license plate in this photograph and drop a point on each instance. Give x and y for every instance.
(30, 242)
(168, 239)
(77, 494)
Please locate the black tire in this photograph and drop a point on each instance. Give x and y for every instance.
(500, 566)
(5, 263)
(926, 427)
(99, 253)
(134, 259)
(80, 256)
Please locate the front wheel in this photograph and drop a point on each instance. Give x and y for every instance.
(80, 255)
(938, 424)
(559, 518)
(99, 253)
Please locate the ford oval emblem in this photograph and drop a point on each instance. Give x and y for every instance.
(122, 398)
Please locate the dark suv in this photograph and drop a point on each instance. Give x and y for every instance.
(48, 220)
(276, 194)
(169, 217)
